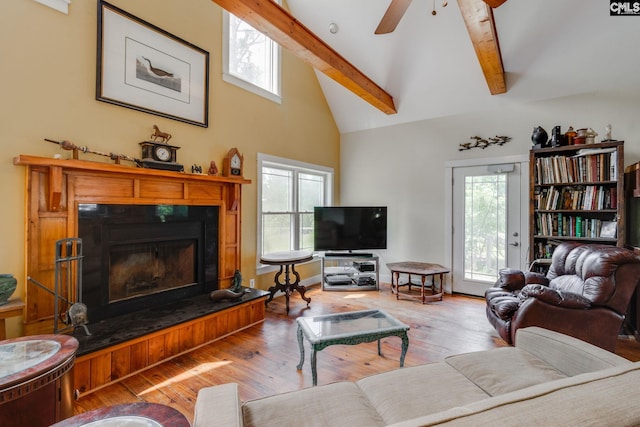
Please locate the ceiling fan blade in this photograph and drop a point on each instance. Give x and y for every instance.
(392, 16)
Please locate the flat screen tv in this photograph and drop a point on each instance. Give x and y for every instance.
(350, 228)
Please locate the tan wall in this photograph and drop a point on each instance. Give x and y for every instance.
(48, 78)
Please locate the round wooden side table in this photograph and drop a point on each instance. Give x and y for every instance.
(36, 379)
(139, 414)
(287, 261)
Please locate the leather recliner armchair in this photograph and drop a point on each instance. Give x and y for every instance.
(585, 294)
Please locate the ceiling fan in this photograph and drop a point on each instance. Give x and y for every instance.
(397, 8)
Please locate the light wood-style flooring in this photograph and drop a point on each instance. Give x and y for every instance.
(263, 358)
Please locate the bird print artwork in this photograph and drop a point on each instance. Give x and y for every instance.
(147, 71)
(157, 71)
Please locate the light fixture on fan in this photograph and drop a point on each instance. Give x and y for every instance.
(444, 4)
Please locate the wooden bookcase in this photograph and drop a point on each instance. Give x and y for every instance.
(576, 193)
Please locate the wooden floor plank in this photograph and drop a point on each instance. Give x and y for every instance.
(262, 359)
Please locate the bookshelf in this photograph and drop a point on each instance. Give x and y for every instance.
(576, 193)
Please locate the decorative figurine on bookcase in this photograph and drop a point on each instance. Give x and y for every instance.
(570, 135)
(591, 136)
(557, 138)
(607, 134)
(540, 138)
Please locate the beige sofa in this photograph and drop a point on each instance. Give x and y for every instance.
(546, 379)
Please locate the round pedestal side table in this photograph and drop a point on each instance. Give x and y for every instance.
(139, 414)
(36, 379)
(287, 261)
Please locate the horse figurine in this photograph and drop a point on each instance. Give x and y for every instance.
(165, 137)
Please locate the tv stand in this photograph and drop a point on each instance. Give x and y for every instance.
(349, 271)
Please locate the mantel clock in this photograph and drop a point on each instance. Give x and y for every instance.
(232, 163)
(159, 155)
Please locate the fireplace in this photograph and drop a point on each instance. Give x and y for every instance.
(144, 256)
(59, 191)
(204, 212)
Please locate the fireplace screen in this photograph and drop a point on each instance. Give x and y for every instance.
(149, 268)
(140, 257)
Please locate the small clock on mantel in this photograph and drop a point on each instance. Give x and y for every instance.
(159, 155)
(232, 163)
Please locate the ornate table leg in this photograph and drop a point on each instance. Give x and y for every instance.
(397, 275)
(301, 345)
(287, 287)
(296, 285)
(433, 283)
(273, 289)
(379, 350)
(314, 371)
(422, 289)
(405, 347)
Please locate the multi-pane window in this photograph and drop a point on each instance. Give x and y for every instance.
(288, 193)
(485, 219)
(251, 60)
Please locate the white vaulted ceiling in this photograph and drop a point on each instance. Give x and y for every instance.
(550, 49)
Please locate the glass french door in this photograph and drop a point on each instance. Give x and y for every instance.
(487, 233)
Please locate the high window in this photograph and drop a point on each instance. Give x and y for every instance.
(251, 60)
(288, 192)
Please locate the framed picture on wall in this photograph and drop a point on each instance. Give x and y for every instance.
(143, 67)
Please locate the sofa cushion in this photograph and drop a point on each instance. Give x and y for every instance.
(554, 296)
(337, 404)
(504, 306)
(503, 370)
(568, 355)
(591, 399)
(415, 391)
(220, 403)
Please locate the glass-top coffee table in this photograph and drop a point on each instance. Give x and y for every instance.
(349, 328)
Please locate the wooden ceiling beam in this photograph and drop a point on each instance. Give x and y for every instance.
(494, 3)
(278, 24)
(478, 17)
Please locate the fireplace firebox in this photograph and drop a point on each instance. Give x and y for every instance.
(145, 256)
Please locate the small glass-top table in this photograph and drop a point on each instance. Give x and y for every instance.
(349, 328)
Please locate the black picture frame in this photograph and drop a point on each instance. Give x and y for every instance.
(146, 68)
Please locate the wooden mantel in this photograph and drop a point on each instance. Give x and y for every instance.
(56, 186)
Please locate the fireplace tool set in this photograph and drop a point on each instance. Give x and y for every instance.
(68, 255)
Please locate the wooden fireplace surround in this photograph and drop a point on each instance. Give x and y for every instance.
(55, 187)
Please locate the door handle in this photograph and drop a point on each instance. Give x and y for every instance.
(514, 244)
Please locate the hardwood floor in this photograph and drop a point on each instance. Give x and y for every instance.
(263, 358)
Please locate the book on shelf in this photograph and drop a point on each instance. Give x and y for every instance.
(550, 224)
(595, 165)
(579, 197)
